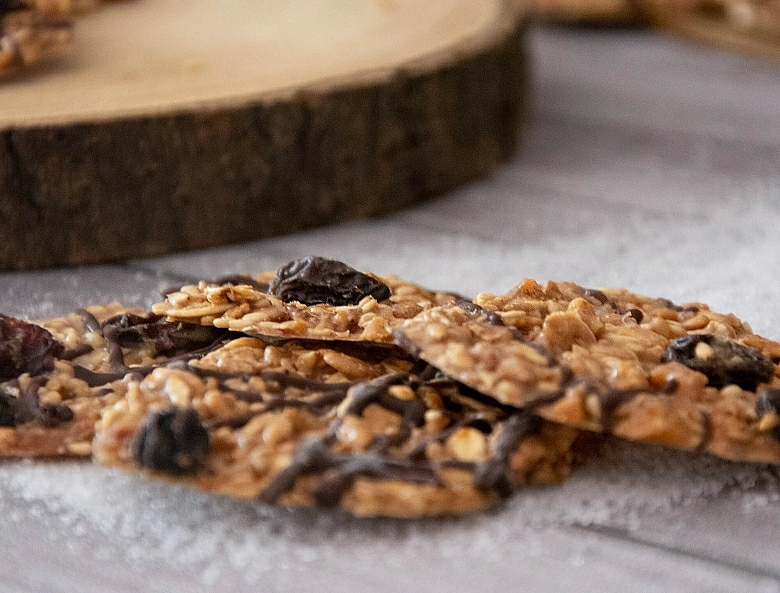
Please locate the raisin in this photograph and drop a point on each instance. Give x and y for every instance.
(724, 362)
(768, 402)
(314, 280)
(165, 337)
(25, 348)
(172, 441)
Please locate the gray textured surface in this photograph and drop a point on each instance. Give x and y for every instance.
(649, 163)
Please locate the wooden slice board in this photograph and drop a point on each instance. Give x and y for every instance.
(181, 124)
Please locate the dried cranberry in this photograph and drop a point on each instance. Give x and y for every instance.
(172, 441)
(724, 363)
(314, 280)
(25, 348)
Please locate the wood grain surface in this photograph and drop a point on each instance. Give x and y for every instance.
(258, 117)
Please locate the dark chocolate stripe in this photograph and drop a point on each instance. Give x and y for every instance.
(491, 317)
(371, 352)
(493, 474)
(116, 358)
(94, 379)
(314, 456)
(90, 321)
(707, 429)
(544, 398)
(317, 406)
(285, 380)
(27, 407)
(376, 392)
(71, 353)
(470, 421)
(494, 318)
(371, 465)
(238, 279)
(596, 294)
(610, 401)
(403, 341)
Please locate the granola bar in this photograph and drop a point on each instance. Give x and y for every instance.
(29, 36)
(612, 361)
(609, 12)
(313, 298)
(57, 375)
(402, 443)
(749, 26)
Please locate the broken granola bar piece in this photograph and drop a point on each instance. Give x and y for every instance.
(402, 443)
(612, 361)
(366, 308)
(58, 374)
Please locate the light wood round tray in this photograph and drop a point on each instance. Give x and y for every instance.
(181, 124)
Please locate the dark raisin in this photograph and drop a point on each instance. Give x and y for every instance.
(165, 337)
(172, 441)
(314, 280)
(768, 402)
(727, 363)
(25, 348)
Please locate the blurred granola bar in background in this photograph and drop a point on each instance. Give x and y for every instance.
(750, 26)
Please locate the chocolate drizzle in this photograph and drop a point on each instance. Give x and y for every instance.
(119, 368)
(315, 457)
(493, 318)
(90, 321)
(610, 401)
(240, 279)
(339, 471)
(412, 411)
(706, 432)
(596, 294)
(493, 474)
(26, 406)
